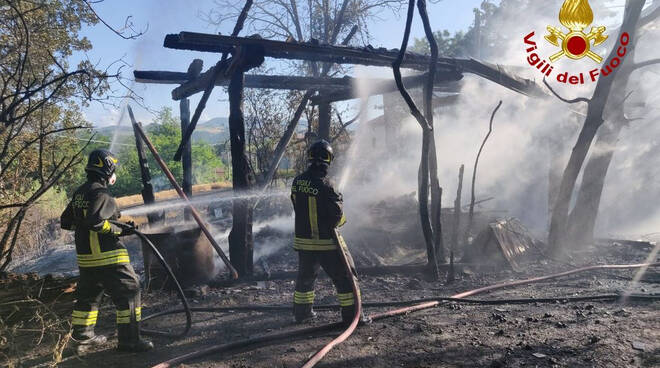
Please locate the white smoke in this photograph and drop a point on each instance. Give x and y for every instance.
(528, 135)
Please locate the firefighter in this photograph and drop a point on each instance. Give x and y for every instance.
(318, 211)
(102, 259)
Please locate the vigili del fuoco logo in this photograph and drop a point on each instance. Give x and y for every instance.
(574, 43)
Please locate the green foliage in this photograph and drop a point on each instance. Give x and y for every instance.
(475, 42)
(165, 134)
(449, 45)
(40, 115)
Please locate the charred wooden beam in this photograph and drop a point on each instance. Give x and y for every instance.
(251, 81)
(325, 114)
(186, 159)
(456, 225)
(148, 196)
(350, 55)
(337, 89)
(191, 86)
(241, 242)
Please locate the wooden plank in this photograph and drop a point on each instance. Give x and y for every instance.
(350, 55)
(251, 81)
(241, 241)
(148, 196)
(186, 158)
(299, 51)
(335, 89)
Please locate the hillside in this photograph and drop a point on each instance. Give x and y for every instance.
(213, 131)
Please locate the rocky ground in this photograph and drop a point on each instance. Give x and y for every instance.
(562, 334)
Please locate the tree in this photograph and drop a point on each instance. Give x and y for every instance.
(165, 134)
(40, 95)
(582, 218)
(324, 21)
(449, 45)
(558, 235)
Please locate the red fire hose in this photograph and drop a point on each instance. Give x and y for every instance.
(506, 285)
(311, 330)
(343, 251)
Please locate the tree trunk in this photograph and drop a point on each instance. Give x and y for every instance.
(436, 191)
(423, 198)
(186, 158)
(557, 237)
(456, 224)
(582, 219)
(240, 237)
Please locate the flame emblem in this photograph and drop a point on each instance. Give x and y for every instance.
(576, 15)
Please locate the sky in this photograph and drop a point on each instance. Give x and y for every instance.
(172, 16)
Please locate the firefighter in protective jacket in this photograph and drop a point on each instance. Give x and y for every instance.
(102, 258)
(318, 211)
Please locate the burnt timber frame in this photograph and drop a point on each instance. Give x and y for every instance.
(333, 89)
(350, 55)
(330, 89)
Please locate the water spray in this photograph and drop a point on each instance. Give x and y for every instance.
(115, 136)
(640, 273)
(171, 205)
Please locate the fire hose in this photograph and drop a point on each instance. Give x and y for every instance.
(179, 290)
(424, 304)
(357, 300)
(402, 303)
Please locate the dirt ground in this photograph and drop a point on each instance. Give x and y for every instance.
(559, 334)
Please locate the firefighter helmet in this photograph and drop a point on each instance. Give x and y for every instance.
(102, 162)
(321, 152)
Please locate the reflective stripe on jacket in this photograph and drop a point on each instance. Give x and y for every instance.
(97, 242)
(318, 209)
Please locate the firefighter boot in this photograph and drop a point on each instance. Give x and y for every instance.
(130, 340)
(84, 335)
(303, 313)
(347, 314)
(129, 335)
(85, 339)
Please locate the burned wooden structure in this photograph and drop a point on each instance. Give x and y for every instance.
(249, 52)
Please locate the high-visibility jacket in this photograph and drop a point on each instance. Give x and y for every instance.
(318, 209)
(97, 240)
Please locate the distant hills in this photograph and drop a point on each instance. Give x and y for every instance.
(213, 131)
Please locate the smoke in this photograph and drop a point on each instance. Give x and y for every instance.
(280, 232)
(531, 138)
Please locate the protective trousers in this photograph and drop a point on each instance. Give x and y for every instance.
(309, 263)
(123, 286)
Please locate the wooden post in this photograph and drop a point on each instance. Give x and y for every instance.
(148, 196)
(325, 111)
(186, 158)
(457, 225)
(240, 237)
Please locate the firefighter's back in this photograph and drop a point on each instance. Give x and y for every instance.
(313, 227)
